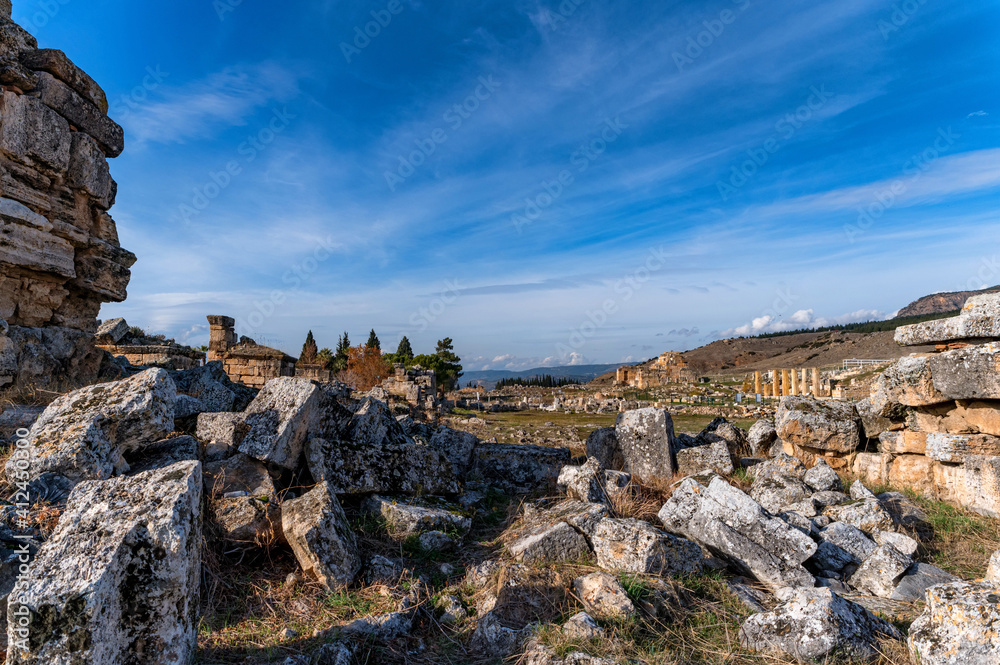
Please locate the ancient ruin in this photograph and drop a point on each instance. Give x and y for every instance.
(244, 360)
(59, 251)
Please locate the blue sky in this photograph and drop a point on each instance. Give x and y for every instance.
(546, 183)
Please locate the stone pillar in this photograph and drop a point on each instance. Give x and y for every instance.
(786, 383)
(776, 382)
(804, 385)
(816, 384)
(756, 383)
(222, 335)
(795, 382)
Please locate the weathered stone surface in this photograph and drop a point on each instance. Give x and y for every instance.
(316, 528)
(993, 569)
(557, 542)
(780, 465)
(162, 454)
(220, 434)
(975, 484)
(52, 358)
(960, 625)
(581, 626)
(844, 544)
(965, 417)
(83, 435)
(492, 638)
(89, 171)
(634, 546)
(824, 499)
(955, 448)
(604, 597)
(26, 241)
(822, 478)
(112, 330)
(210, 384)
(243, 501)
(584, 517)
(907, 515)
(861, 493)
(822, 425)
(962, 374)
(407, 520)
(869, 516)
(900, 541)
(646, 440)
(590, 483)
(873, 467)
(736, 528)
(812, 624)
(456, 447)
(517, 468)
(602, 444)
(878, 415)
(88, 118)
(34, 134)
(913, 471)
(881, 571)
(761, 437)
(722, 431)
(979, 319)
(918, 578)
(774, 492)
(712, 457)
(279, 419)
(57, 64)
(118, 580)
(371, 453)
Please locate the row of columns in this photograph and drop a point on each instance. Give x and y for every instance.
(788, 382)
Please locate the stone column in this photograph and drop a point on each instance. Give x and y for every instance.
(816, 383)
(222, 335)
(795, 382)
(756, 383)
(786, 383)
(776, 382)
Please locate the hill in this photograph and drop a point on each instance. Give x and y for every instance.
(941, 302)
(583, 373)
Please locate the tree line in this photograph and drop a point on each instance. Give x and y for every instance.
(366, 366)
(539, 381)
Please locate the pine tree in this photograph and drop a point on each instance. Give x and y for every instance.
(309, 350)
(449, 365)
(404, 352)
(373, 342)
(339, 363)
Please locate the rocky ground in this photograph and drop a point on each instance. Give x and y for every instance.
(172, 515)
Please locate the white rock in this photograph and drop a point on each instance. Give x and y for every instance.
(604, 597)
(316, 528)
(278, 421)
(960, 625)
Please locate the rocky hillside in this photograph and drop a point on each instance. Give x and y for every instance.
(941, 302)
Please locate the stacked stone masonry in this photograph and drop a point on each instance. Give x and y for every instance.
(937, 416)
(60, 258)
(245, 361)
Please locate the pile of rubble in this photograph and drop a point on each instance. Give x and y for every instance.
(60, 255)
(141, 468)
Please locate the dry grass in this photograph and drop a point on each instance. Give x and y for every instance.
(638, 500)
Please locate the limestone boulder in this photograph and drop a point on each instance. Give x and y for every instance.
(213, 388)
(917, 579)
(714, 457)
(955, 448)
(722, 431)
(604, 597)
(243, 502)
(124, 562)
(519, 469)
(779, 465)
(278, 421)
(868, 516)
(962, 374)
(34, 134)
(407, 519)
(907, 515)
(828, 425)
(56, 63)
(602, 445)
(370, 453)
(646, 440)
(83, 114)
(325, 546)
(736, 528)
(822, 478)
(590, 483)
(456, 447)
(634, 546)
(881, 571)
(761, 436)
(814, 624)
(220, 434)
(84, 435)
(774, 493)
(550, 543)
(960, 625)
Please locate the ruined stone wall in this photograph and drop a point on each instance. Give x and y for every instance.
(60, 258)
(245, 361)
(174, 357)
